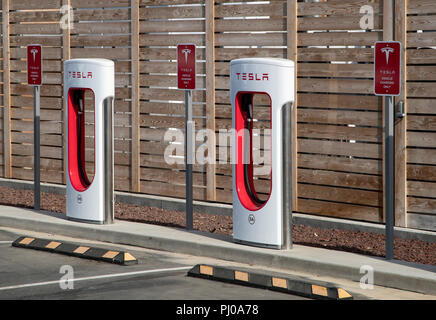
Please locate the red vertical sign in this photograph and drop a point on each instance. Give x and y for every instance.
(34, 65)
(387, 66)
(186, 66)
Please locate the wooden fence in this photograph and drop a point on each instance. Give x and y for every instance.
(339, 131)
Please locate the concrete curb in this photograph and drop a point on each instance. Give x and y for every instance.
(292, 285)
(226, 210)
(75, 250)
(395, 274)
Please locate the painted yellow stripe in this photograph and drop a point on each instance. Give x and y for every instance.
(110, 254)
(342, 294)
(53, 245)
(128, 257)
(241, 276)
(26, 240)
(279, 282)
(81, 250)
(319, 290)
(206, 270)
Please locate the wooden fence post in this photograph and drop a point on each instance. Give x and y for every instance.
(6, 92)
(135, 163)
(66, 55)
(401, 124)
(292, 54)
(210, 100)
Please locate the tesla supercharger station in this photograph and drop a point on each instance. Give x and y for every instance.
(257, 222)
(89, 199)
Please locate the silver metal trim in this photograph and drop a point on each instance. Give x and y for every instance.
(108, 161)
(259, 245)
(287, 175)
(85, 220)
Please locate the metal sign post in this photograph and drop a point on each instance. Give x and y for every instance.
(387, 83)
(36, 147)
(34, 78)
(287, 175)
(389, 176)
(189, 159)
(186, 60)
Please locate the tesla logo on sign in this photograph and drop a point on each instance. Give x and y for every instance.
(186, 60)
(387, 68)
(387, 51)
(186, 52)
(34, 65)
(34, 51)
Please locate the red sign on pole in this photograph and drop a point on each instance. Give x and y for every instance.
(186, 66)
(387, 66)
(34, 65)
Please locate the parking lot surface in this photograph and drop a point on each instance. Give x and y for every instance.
(32, 274)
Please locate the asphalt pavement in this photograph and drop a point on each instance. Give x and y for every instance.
(27, 274)
(349, 268)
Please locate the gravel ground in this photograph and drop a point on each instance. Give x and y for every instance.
(352, 241)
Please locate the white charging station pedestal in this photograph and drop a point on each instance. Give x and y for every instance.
(89, 199)
(256, 222)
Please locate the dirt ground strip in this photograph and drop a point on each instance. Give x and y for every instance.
(352, 241)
